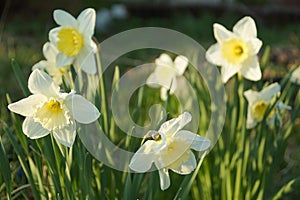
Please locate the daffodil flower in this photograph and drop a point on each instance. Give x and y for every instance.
(236, 52)
(258, 102)
(295, 77)
(73, 39)
(166, 72)
(49, 65)
(170, 149)
(48, 110)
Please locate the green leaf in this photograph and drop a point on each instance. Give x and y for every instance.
(5, 169)
(20, 78)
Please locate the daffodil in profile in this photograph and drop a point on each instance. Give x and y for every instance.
(48, 110)
(295, 77)
(236, 52)
(73, 39)
(170, 149)
(49, 65)
(166, 72)
(259, 102)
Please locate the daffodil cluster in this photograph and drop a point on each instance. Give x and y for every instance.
(49, 109)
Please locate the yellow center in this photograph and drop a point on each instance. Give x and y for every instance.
(259, 109)
(234, 51)
(70, 41)
(51, 115)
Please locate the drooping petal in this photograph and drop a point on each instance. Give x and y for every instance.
(282, 106)
(66, 135)
(213, 54)
(227, 72)
(50, 51)
(187, 166)
(251, 96)
(245, 27)
(269, 92)
(62, 60)
(180, 64)
(63, 18)
(41, 83)
(164, 93)
(87, 21)
(32, 129)
(195, 141)
(221, 33)
(174, 125)
(82, 110)
(27, 106)
(251, 69)
(255, 45)
(86, 60)
(144, 157)
(164, 179)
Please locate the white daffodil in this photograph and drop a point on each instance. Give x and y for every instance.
(236, 52)
(165, 73)
(73, 39)
(295, 77)
(258, 102)
(48, 110)
(170, 149)
(49, 65)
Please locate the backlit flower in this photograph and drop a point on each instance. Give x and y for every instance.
(258, 103)
(48, 110)
(236, 52)
(170, 149)
(73, 39)
(165, 73)
(295, 77)
(49, 65)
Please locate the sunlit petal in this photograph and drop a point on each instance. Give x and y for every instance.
(245, 28)
(66, 135)
(32, 129)
(63, 18)
(174, 125)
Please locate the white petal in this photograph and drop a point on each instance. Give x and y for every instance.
(53, 35)
(32, 129)
(255, 45)
(27, 106)
(165, 60)
(86, 60)
(152, 81)
(295, 77)
(221, 33)
(83, 111)
(228, 71)
(144, 157)
(269, 92)
(164, 93)
(213, 54)
(282, 106)
(87, 21)
(180, 63)
(41, 83)
(251, 69)
(67, 135)
(62, 60)
(174, 125)
(195, 141)
(164, 179)
(251, 96)
(63, 18)
(50, 51)
(251, 122)
(187, 166)
(245, 27)
(43, 64)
